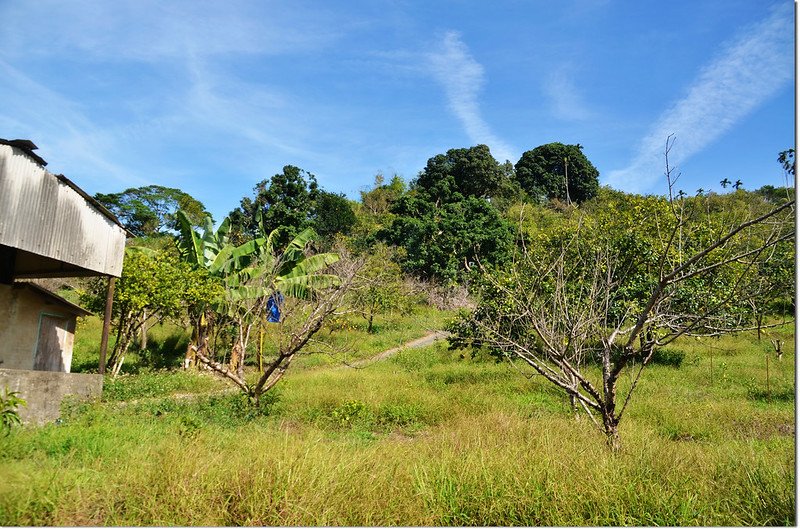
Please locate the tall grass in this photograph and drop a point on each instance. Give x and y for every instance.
(427, 437)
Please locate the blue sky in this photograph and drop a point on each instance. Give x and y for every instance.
(212, 97)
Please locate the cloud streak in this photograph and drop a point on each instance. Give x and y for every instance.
(149, 30)
(462, 78)
(750, 70)
(566, 100)
(69, 137)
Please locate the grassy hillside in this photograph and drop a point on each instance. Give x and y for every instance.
(427, 437)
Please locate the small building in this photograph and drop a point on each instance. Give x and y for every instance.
(49, 227)
(38, 328)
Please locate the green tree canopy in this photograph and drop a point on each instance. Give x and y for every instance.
(333, 214)
(151, 210)
(155, 285)
(543, 171)
(447, 219)
(378, 200)
(285, 202)
(440, 239)
(470, 172)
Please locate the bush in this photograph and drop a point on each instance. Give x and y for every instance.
(9, 414)
(350, 412)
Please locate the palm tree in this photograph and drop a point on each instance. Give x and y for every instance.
(725, 183)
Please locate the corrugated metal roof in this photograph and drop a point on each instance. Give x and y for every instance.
(55, 298)
(48, 215)
(27, 146)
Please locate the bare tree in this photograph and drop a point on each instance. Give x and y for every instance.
(300, 320)
(557, 307)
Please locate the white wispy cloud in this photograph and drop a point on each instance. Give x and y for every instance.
(150, 30)
(66, 136)
(235, 109)
(754, 67)
(462, 78)
(566, 100)
(190, 85)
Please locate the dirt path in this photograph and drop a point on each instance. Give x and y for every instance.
(428, 339)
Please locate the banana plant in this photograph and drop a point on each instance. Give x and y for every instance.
(291, 272)
(251, 274)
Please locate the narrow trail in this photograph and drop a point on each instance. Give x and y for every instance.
(428, 339)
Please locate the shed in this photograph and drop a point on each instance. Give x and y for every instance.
(49, 227)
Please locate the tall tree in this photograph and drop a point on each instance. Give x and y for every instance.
(786, 159)
(556, 170)
(470, 172)
(442, 239)
(374, 211)
(446, 220)
(150, 210)
(332, 214)
(285, 202)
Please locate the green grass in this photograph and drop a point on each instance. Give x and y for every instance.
(345, 341)
(426, 437)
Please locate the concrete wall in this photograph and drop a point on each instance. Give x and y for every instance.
(19, 327)
(21, 311)
(45, 390)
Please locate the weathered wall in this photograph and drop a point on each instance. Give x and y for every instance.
(20, 313)
(45, 390)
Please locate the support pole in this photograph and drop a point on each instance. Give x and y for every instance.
(8, 257)
(106, 324)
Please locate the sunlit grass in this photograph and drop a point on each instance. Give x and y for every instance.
(427, 437)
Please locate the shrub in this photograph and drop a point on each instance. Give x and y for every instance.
(9, 414)
(349, 413)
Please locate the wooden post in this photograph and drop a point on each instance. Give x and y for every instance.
(106, 324)
(261, 348)
(769, 395)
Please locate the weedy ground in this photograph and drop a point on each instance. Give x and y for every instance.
(426, 437)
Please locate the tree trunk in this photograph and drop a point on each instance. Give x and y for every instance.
(759, 319)
(611, 429)
(143, 339)
(237, 359)
(190, 359)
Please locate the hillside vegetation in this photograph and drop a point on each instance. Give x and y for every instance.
(611, 358)
(426, 437)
